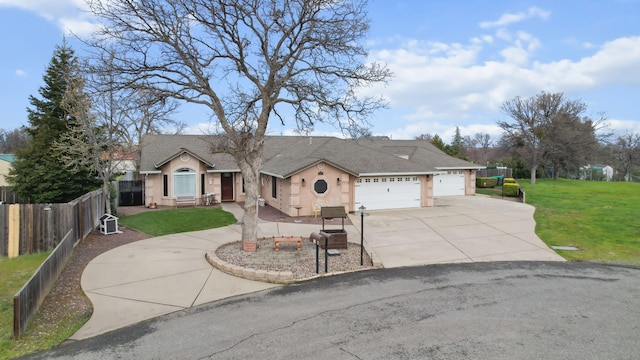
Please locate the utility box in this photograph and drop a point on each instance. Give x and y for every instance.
(108, 224)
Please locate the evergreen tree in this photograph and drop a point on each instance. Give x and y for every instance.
(457, 143)
(437, 141)
(38, 172)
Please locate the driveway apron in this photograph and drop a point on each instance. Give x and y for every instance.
(457, 229)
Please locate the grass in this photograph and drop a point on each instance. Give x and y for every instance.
(164, 222)
(599, 218)
(14, 274)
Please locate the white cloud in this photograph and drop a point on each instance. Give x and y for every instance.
(511, 18)
(70, 16)
(21, 73)
(438, 86)
(619, 126)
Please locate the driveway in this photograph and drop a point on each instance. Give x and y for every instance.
(457, 229)
(157, 276)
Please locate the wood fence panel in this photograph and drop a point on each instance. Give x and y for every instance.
(4, 229)
(14, 231)
(29, 298)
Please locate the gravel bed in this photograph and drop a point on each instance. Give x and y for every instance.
(301, 263)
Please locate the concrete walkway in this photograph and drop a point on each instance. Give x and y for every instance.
(157, 276)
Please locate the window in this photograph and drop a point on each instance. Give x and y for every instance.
(202, 184)
(383, 179)
(165, 185)
(320, 186)
(274, 187)
(184, 182)
(376, 180)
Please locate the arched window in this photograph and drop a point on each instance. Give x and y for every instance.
(184, 182)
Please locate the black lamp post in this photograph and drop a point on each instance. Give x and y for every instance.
(362, 208)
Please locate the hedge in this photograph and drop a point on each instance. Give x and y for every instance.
(510, 189)
(486, 182)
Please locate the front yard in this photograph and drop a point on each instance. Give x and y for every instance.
(599, 218)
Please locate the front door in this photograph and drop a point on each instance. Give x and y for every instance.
(227, 187)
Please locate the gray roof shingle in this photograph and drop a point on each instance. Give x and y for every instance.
(284, 156)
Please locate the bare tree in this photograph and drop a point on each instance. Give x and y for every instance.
(130, 112)
(88, 143)
(248, 60)
(627, 153)
(532, 119)
(425, 137)
(13, 140)
(484, 142)
(570, 142)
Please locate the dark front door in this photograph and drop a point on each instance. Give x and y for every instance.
(227, 187)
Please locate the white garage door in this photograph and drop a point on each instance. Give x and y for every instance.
(398, 192)
(449, 184)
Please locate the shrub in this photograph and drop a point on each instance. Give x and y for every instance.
(509, 181)
(510, 189)
(486, 182)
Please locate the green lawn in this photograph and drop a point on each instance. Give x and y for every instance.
(14, 274)
(599, 218)
(164, 222)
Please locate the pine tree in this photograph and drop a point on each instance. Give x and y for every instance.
(38, 172)
(457, 144)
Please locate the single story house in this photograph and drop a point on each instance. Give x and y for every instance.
(300, 172)
(5, 166)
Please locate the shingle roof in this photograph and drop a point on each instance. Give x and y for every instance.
(286, 155)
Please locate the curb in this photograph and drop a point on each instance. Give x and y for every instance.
(275, 277)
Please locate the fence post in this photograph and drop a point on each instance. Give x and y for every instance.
(14, 231)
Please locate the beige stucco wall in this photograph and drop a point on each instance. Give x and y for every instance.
(470, 178)
(4, 171)
(426, 195)
(293, 191)
(154, 182)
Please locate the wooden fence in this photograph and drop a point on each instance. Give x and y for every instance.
(506, 172)
(32, 228)
(9, 197)
(40, 228)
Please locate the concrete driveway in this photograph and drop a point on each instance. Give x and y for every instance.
(457, 229)
(157, 276)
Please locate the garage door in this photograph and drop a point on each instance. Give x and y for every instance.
(377, 193)
(449, 184)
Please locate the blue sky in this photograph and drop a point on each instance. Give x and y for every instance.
(454, 62)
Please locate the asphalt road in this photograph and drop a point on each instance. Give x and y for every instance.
(513, 310)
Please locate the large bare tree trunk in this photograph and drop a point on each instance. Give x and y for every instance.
(249, 159)
(533, 173)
